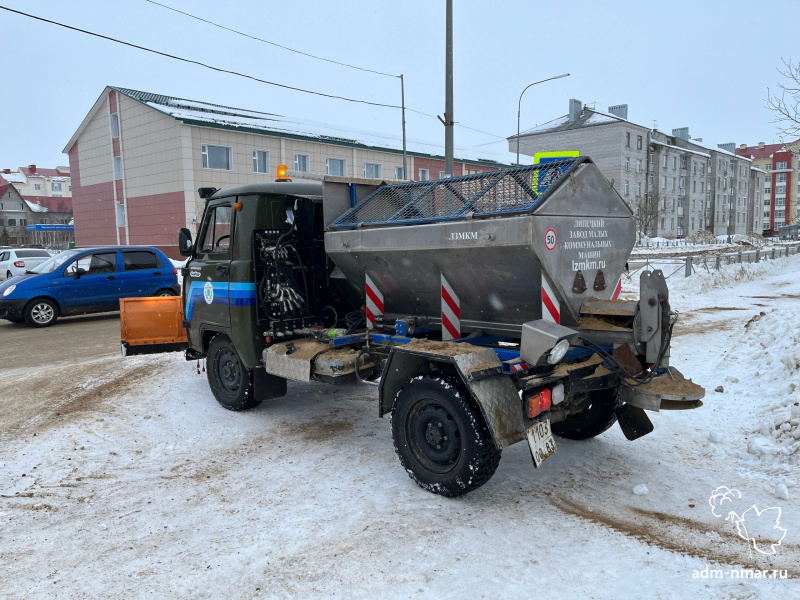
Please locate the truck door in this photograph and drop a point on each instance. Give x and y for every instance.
(207, 300)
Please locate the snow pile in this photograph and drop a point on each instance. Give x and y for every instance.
(730, 275)
(702, 237)
(773, 351)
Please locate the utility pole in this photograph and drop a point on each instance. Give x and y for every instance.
(448, 95)
(403, 113)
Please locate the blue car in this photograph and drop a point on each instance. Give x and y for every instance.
(87, 280)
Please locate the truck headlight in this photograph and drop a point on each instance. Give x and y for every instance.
(558, 352)
(9, 289)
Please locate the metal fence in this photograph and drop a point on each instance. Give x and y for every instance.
(708, 262)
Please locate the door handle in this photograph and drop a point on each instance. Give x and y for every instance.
(221, 271)
(111, 277)
(157, 273)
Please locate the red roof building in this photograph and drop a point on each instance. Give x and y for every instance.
(780, 162)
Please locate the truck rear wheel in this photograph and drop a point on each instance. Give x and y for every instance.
(230, 382)
(441, 439)
(593, 420)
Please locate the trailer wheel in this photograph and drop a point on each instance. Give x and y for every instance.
(596, 418)
(441, 439)
(230, 382)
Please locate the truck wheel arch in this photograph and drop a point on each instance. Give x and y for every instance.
(496, 397)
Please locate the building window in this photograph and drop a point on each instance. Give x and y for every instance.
(780, 165)
(780, 178)
(664, 159)
(662, 223)
(638, 142)
(768, 167)
(260, 161)
(56, 186)
(628, 139)
(638, 166)
(682, 183)
(674, 162)
(12, 222)
(702, 169)
(683, 162)
(217, 157)
(663, 182)
(672, 224)
(69, 188)
(301, 163)
(626, 187)
(120, 214)
(37, 186)
(117, 167)
(701, 187)
(638, 188)
(673, 183)
(627, 164)
(373, 170)
(424, 175)
(336, 166)
(114, 125)
(398, 173)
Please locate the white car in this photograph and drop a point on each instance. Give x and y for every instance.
(16, 261)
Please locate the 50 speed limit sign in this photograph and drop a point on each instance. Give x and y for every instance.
(550, 239)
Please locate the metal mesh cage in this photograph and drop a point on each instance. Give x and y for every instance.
(517, 190)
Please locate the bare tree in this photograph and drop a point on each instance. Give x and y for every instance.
(785, 103)
(648, 210)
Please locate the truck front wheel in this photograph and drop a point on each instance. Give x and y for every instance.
(597, 416)
(441, 439)
(230, 382)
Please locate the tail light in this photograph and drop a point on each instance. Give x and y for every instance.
(174, 271)
(19, 263)
(538, 403)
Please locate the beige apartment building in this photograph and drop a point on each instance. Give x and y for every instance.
(138, 158)
(36, 182)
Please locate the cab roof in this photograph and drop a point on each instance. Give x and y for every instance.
(312, 189)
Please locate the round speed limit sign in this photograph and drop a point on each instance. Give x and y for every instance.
(550, 239)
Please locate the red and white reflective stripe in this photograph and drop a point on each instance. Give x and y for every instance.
(374, 303)
(551, 308)
(617, 290)
(451, 312)
(517, 367)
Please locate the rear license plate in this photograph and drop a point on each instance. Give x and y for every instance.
(541, 442)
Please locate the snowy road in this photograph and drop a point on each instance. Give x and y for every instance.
(122, 478)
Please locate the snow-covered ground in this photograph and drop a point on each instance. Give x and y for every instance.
(134, 483)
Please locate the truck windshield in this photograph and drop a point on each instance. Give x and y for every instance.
(53, 263)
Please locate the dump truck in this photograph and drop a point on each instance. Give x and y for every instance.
(485, 308)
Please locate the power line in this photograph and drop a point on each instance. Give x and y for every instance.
(195, 62)
(236, 73)
(258, 39)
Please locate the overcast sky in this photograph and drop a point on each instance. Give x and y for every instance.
(702, 64)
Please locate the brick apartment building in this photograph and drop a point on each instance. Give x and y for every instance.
(138, 158)
(675, 185)
(781, 184)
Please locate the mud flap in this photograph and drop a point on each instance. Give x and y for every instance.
(633, 421)
(267, 386)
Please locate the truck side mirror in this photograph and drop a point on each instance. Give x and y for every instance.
(185, 242)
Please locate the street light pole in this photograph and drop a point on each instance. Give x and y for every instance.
(519, 105)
